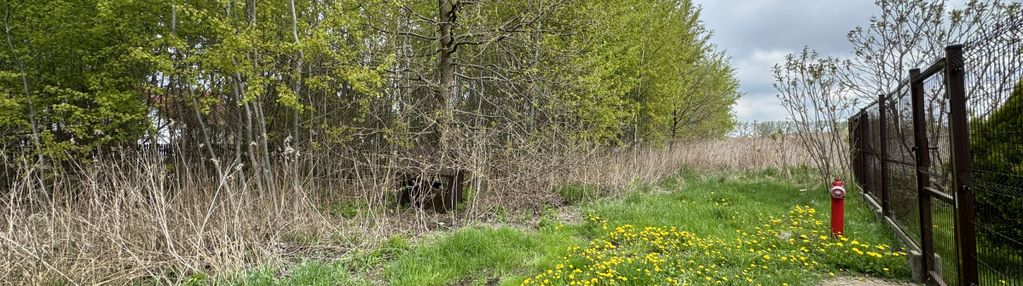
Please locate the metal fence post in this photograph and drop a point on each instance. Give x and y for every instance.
(966, 240)
(882, 105)
(923, 178)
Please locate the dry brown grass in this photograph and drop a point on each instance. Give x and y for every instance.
(126, 222)
(129, 219)
(619, 169)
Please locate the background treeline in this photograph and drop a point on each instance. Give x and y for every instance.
(252, 81)
(150, 140)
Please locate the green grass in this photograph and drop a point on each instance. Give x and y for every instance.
(578, 193)
(478, 256)
(704, 229)
(717, 205)
(311, 273)
(723, 209)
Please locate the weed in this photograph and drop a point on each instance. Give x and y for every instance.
(348, 208)
(387, 251)
(312, 273)
(577, 193)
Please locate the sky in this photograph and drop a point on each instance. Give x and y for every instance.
(759, 33)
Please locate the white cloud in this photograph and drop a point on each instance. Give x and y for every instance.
(760, 107)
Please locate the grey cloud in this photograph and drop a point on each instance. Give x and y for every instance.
(759, 33)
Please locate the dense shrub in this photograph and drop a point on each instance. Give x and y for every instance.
(998, 169)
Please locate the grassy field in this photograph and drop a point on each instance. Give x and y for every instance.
(754, 228)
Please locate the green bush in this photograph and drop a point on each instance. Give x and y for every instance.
(998, 169)
(578, 193)
(348, 209)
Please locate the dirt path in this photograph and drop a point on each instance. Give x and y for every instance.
(861, 281)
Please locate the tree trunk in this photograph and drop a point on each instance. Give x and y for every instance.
(257, 109)
(297, 89)
(446, 72)
(25, 90)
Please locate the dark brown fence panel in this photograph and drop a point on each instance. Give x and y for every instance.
(935, 164)
(994, 109)
(873, 140)
(965, 234)
(902, 196)
(923, 182)
(942, 158)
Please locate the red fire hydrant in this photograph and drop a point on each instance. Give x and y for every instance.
(837, 207)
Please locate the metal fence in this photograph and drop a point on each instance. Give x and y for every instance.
(942, 157)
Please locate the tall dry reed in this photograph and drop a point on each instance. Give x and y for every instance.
(616, 170)
(130, 218)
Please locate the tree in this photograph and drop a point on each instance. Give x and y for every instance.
(249, 83)
(911, 34)
(809, 87)
(907, 34)
(80, 78)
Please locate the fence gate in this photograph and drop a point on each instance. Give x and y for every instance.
(941, 157)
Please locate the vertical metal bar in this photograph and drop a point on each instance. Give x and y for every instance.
(864, 166)
(923, 179)
(853, 123)
(868, 177)
(966, 240)
(882, 105)
(860, 163)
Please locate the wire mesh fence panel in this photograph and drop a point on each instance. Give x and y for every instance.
(861, 160)
(943, 230)
(994, 69)
(874, 152)
(969, 114)
(939, 171)
(940, 151)
(902, 192)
